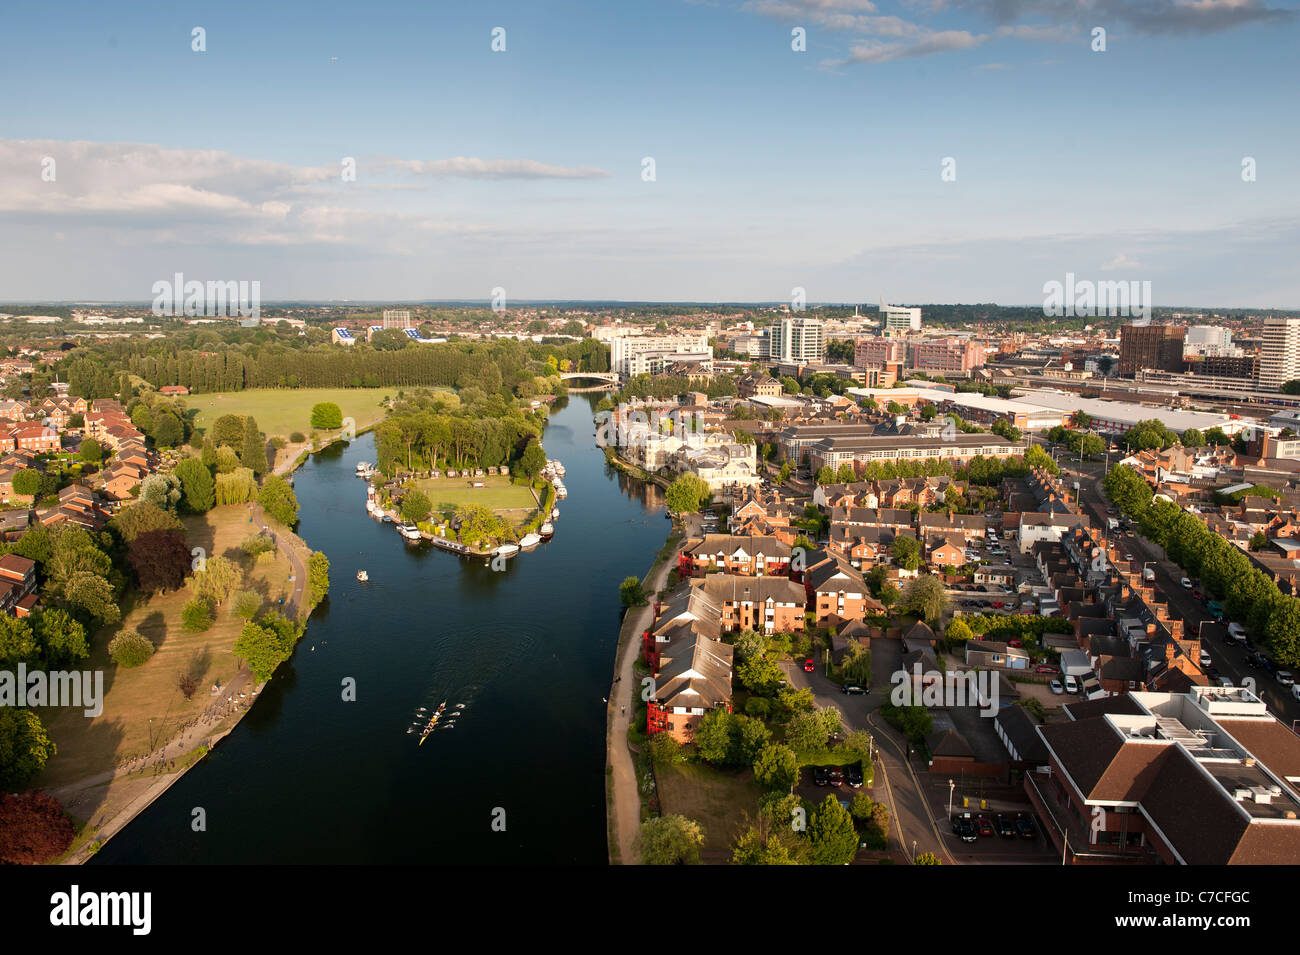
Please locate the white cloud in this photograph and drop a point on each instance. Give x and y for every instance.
(468, 168)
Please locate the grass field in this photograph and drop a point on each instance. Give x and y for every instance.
(132, 697)
(446, 494)
(281, 411)
(716, 800)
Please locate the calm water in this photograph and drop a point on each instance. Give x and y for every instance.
(309, 778)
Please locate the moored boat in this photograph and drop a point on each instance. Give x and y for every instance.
(507, 550)
(530, 540)
(555, 513)
(547, 530)
(409, 531)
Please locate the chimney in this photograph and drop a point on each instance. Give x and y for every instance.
(1151, 631)
(1170, 649)
(1176, 630)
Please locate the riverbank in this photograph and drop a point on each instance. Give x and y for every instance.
(622, 793)
(106, 773)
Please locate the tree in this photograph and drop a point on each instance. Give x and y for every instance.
(532, 460)
(90, 451)
(759, 674)
(906, 552)
(27, 482)
(61, 638)
(831, 835)
(265, 644)
(890, 595)
(253, 451)
(712, 736)
(34, 829)
(140, 518)
(327, 416)
(91, 596)
(227, 459)
(168, 431)
(631, 593)
(1193, 438)
(228, 431)
(25, 747)
(236, 487)
(160, 560)
(318, 576)
(926, 858)
(130, 648)
(958, 632)
(161, 490)
(18, 643)
(1259, 541)
(670, 840)
(687, 494)
(278, 500)
(926, 598)
(217, 578)
(415, 505)
(196, 615)
(197, 489)
(777, 767)
(245, 604)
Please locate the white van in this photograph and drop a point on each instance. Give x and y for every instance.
(1071, 683)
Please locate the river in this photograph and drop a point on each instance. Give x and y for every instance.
(309, 778)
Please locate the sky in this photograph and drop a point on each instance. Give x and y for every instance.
(916, 151)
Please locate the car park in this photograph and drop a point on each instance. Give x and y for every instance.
(1006, 828)
(964, 826)
(984, 824)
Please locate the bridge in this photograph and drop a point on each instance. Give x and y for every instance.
(608, 378)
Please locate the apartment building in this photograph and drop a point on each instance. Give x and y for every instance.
(953, 356)
(649, 354)
(798, 340)
(1279, 360)
(1150, 346)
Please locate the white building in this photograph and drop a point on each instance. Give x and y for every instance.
(1279, 359)
(1209, 340)
(896, 320)
(648, 354)
(799, 340)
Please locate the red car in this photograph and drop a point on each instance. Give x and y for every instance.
(1044, 668)
(808, 665)
(1014, 642)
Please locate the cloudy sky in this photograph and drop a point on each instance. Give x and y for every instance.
(126, 156)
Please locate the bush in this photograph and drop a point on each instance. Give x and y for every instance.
(197, 615)
(245, 604)
(297, 437)
(326, 415)
(255, 545)
(130, 648)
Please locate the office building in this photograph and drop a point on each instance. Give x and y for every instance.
(798, 340)
(1279, 360)
(650, 354)
(896, 320)
(1150, 346)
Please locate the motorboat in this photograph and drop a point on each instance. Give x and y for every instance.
(555, 513)
(507, 550)
(364, 466)
(530, 540)
(547, 530)
(362, 576)
(409, 531)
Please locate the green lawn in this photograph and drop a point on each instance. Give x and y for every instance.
(281, 411)
(446, 494)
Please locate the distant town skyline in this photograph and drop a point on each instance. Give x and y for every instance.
(967, 151)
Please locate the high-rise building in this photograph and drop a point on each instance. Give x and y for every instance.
(896, 320)
(1151, 346)
(1279, 357)
(799, 340)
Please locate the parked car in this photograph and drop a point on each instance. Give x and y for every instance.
(964, 826)
(808, 665)
(1186, 583)
(1025, 827)
(1006, 829)
(835, 775)
(853, 775)
(1284, 677)
(820, 776)
(1196, 594)
(1056, 687)
(1045, 668)
(852, 689)
(1295, 690)
(1205, 660)
(984, 824)
(1236, 632)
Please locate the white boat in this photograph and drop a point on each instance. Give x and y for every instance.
(555, 513)
(371, 506)
(362, 576)
(547, 530)
(409, 531)
(363, 467)
(529, 540)
(561, 492)
(507, 550)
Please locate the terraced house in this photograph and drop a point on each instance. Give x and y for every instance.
(746, 555)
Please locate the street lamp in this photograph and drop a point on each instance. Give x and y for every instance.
(951, 787)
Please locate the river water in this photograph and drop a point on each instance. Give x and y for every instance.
(309, 778)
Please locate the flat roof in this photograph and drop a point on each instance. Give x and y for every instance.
(1126, 412)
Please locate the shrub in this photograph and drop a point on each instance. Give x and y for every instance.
(130, 648)
(255, 545)
(246, 604)
(297, 437)
(197, 615)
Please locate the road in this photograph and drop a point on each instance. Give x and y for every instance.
(1229, 659)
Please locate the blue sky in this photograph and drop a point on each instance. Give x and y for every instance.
(774, 168)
